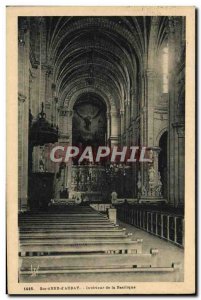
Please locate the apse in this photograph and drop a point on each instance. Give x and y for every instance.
(89, 121)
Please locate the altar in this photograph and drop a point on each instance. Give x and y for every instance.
(88, 183)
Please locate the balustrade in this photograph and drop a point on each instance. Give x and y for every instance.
(165, 225)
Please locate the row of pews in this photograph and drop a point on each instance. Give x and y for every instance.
(78, 243)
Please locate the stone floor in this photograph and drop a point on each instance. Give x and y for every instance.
(168, 253)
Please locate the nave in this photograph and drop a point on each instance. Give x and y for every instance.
(78, 243)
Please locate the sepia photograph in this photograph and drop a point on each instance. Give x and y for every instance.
(100, 123)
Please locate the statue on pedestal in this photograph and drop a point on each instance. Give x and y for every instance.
(159, 186)
(151, 174)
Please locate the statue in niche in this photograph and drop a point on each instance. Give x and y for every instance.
(152, 183)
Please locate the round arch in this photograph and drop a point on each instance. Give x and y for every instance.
(70, 101)
(159, 135)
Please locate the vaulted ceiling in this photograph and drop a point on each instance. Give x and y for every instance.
(98, 53)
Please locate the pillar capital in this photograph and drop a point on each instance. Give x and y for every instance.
(180, 129)
(154, 149)
(114, 114)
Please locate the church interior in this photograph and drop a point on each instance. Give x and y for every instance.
(101, 81)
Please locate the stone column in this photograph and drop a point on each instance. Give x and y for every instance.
(175, 147)
(149, 113)
(114, 138)
(23, 110)
(22, 154)
(150, 94)
(65, 129)
(135, 166)
(108, 126)
(181, 162)
(121, 126)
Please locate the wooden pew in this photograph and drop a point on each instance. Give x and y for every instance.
(93, 222)
(73, 262)
(64, 222)
(75, 246)
(116, 274)
(80, 237)
(65, 227)
(75, 232)
(66, 218)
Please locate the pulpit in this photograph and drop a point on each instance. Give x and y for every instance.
(40, 190)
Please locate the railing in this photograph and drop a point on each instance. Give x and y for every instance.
(162, 224)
